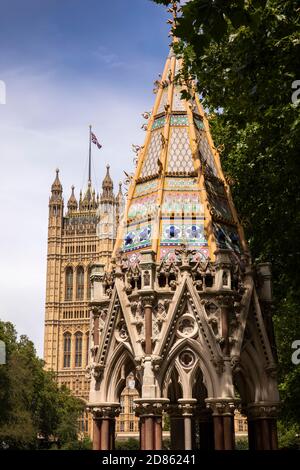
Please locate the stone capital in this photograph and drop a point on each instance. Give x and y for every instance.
(187, 406)
(222, 406)
(147, 299)
(150, 407)
(104, 410)
(263, 410)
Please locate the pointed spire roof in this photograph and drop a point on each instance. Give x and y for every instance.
(107, 186)
(56, 185)
(120, 196)
(178, 194)
(72, 202)
(88, 202)
(56, 189)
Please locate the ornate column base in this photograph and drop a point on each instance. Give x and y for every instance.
(223, 419)
(262, 427)
(104, 415)
(150, 414)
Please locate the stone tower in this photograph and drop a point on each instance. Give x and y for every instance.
(182, 307)
(75, 242)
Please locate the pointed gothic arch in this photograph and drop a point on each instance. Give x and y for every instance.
(207, 368)
(114, 379)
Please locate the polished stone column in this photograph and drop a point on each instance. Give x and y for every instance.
(223, 419)
(150, 414)
(187, 407)
(148, 328)
(96, 434)
(206, 432)
(176, 427)
(158, 433)
(262, 428)
(104, 425)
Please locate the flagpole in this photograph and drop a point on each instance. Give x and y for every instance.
(90, 155)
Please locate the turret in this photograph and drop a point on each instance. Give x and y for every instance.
(56, 200)
(107, 209)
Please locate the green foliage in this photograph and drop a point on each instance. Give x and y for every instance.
(241, 443)
(129, 444)
(32, 406)
(166, 422)
(245, 56)
(78, 444)
(289, 438)
(166, 445)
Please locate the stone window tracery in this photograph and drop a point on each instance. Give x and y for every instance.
(69, 284)
(67, 350)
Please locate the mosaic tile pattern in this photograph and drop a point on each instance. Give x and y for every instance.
(199, 123)
(158, 123)
(180, 154)
(182, 203)
(178, 232)
(143, 207)
(182, 184)
(179, 120)
(178, 104)
(150, 167)
(136, 238)
(163, 101)
(206, 152)
(145, 188)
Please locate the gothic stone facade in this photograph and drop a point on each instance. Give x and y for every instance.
(77, 239)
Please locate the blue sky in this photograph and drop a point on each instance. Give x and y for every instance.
(66, 64)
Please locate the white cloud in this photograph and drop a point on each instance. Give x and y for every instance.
(44, 125)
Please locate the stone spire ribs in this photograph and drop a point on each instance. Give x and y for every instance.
(178, 194)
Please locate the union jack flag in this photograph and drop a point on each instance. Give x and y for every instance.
(95, 140)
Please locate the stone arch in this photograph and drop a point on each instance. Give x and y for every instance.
(121, 364)
(208, 371)
(262, 388)
(199, 390)
(173, 377)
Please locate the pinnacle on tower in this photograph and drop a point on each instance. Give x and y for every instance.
(119, 196)
(56, 185)
(107, 186)
(72, 202)
(56, 188)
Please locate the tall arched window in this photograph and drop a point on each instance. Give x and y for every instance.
(87, 347)
(69, 283)
(67, 350)
(78, 349)
(80, 283)
(89, 284)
